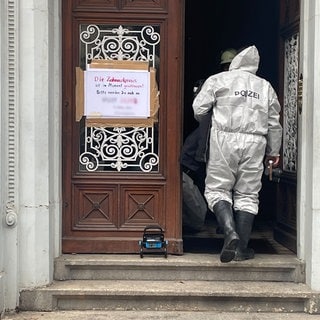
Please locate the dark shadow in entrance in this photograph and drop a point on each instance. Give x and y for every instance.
(208, 241)
(211, 27)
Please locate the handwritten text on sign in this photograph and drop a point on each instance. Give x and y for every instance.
(117, 93)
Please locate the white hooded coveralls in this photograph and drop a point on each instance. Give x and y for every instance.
(245, 128)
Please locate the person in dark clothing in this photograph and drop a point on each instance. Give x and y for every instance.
(193, 176)
(193, 160)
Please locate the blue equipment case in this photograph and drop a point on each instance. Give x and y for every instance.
(153, 241)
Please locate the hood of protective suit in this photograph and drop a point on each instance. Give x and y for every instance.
(247, 60)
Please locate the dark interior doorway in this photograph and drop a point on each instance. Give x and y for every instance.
(212, 26)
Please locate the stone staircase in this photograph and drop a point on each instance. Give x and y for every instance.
(192, 282)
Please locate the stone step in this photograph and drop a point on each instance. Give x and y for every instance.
(234, 296)
(189, 266)
(155, 315)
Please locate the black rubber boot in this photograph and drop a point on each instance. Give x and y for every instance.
(244, 222)
(224, 214)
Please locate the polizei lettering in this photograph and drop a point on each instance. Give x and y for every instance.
(247, 94)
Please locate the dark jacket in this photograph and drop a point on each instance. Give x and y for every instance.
(195, 150)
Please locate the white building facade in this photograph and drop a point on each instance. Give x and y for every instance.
(31, 134)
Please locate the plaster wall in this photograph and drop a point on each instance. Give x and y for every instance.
(8, 169)
(1, 165)
(39, 140)
(309, 144)
(30, 157)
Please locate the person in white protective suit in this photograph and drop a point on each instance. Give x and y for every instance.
(245, 130)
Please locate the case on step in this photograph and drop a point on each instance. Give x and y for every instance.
(153, 241)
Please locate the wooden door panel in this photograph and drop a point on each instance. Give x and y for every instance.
(285, 230)
(109, 197)
(145, 5)
(124, 5)
(95, 207)
(142, 206)
(95, 4)
(289, 13)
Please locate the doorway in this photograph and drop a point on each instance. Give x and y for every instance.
(211, 28)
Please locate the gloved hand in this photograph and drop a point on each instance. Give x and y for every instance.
(275, 161)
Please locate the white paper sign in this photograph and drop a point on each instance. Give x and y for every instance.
(113, 93)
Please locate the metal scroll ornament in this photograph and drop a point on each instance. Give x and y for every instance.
(119, 148)
(290, 121)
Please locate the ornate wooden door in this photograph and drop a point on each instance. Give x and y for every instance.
(285, 229)
(119, 178)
